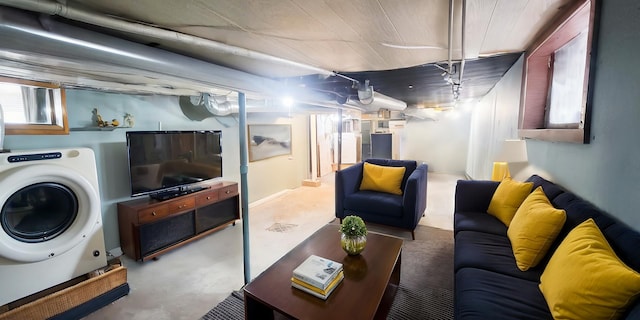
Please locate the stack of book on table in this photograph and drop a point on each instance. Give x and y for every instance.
(317, 276)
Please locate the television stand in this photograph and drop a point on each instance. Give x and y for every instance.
(166, 195)
(149, 227)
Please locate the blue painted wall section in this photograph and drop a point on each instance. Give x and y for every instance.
(606, 171)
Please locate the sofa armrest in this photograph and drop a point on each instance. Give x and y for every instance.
(347, 181)
(474, 195)
(414, 199)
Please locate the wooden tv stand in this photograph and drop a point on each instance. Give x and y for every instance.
(149, 227)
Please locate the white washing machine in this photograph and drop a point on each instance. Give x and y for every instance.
(51, 220)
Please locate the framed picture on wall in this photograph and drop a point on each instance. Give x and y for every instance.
(269, 140)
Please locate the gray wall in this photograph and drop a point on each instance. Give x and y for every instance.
(442, 144)
(494, 119)
(265, 177)
(607, 171)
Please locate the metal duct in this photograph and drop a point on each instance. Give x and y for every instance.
(40, 48)
(378, 101)
(205, 105)
(365, 93)
(26, 37)
(55, 8)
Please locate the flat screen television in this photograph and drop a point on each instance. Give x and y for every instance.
(165, 164)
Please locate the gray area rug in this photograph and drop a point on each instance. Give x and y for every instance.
(229, 309)
(426, 281)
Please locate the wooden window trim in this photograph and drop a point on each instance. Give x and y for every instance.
(62, 126)
(536, 76)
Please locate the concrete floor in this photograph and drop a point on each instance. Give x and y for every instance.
(187, 282)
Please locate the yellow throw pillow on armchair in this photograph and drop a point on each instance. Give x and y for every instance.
(382, 178)
(533, 229)
(586, 280)
(507, 198)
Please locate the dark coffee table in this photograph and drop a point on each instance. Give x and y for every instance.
(367, 291)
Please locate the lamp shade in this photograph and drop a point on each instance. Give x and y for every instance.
(513, 151)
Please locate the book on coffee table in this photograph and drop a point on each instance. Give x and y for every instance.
(322, 294)
(317, 271)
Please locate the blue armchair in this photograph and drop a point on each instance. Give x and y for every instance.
(402, 211)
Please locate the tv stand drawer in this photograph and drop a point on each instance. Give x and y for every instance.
(182, 204)
(207, 197)
(153, 214)
(228, 192)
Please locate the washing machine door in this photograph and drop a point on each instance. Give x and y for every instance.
(46, 211)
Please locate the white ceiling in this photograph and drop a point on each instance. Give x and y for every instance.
(335, 35)
(401, 46)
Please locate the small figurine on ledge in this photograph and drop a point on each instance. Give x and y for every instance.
(98, 119)
(128, 120)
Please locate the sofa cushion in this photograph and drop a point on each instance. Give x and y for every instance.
(507, 198)
(373, 202)
(534, 228)
(578, 211)
(489, 252)
(382, 178)
(490, 295)
(625, 242)
(633, 312)
(584, 278)
(551, 189)
(478, 221)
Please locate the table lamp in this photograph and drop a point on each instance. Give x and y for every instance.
(512, 151)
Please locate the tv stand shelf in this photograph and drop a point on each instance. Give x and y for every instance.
(150, 227)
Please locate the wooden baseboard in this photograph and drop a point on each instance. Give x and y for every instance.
(311, 183)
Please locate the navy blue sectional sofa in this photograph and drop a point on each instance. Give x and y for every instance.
(488, 284)
(402, 211)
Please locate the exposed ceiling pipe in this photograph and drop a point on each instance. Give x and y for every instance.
(379, 101)
(49, 47)
(462, 62)
(63, 10)
(206, 105)
(47, 44)
(449, 71)
(365, 93)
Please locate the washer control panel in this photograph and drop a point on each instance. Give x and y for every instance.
(34, 157)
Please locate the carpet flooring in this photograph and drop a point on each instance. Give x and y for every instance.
(426, 281)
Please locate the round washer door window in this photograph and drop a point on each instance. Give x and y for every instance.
(46, 210)
(39, 212)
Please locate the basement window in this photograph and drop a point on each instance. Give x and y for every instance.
(33, 107)
(565, 101)
(556, 93)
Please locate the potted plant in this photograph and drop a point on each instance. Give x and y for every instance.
(354, 235)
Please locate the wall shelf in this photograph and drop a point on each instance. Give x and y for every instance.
(98, 128)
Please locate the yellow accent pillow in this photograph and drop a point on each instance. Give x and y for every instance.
(534, 227)
(586, 280)
(507, 198)
(382, 178)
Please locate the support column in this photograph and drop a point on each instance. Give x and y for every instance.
(244, 168)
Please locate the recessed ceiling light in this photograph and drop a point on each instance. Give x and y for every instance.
(410, 86)
(287, 101)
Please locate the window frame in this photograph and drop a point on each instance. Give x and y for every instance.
(60, 124)
(537, 75)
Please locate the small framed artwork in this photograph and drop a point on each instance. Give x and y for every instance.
(269, 140)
